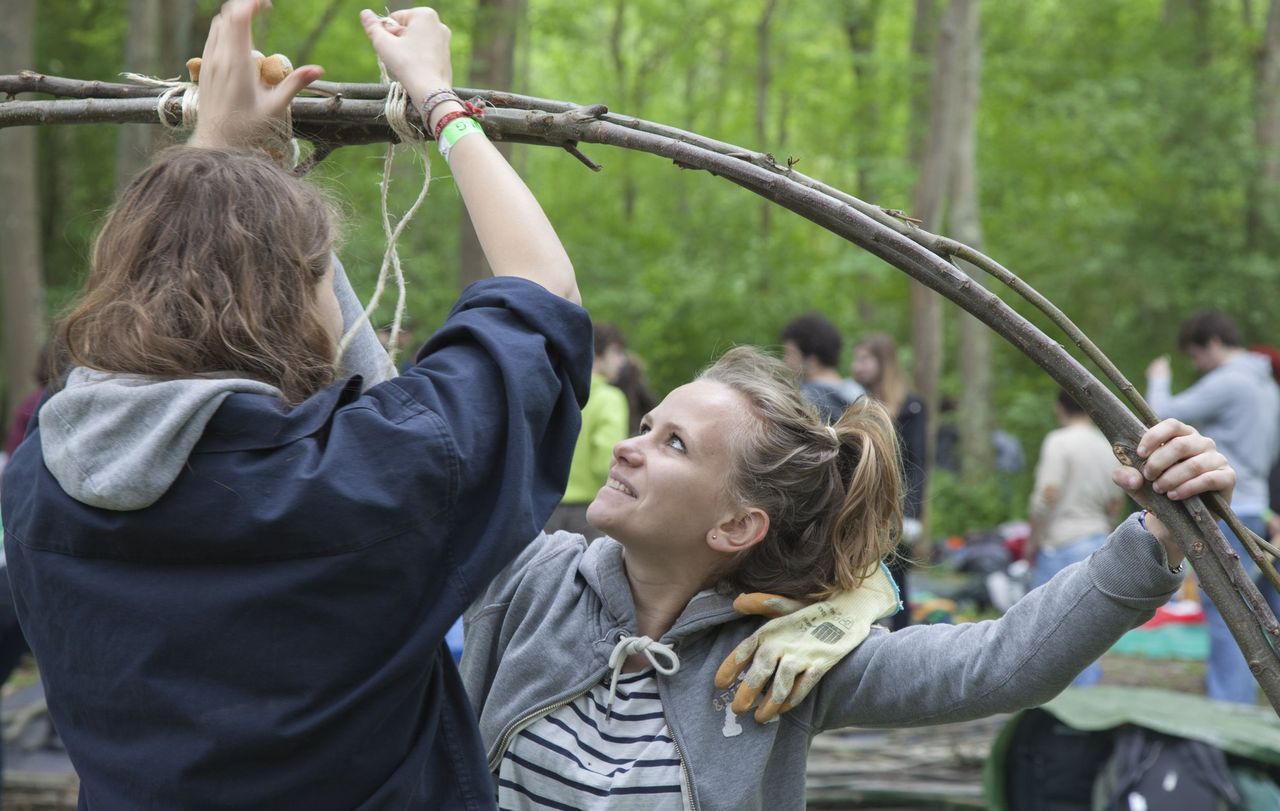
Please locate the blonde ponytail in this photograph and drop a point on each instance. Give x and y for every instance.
(868, 522)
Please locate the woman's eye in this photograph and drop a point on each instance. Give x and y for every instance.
(644, 429)
(676, 442)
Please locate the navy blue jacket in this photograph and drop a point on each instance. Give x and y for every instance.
(269, 634)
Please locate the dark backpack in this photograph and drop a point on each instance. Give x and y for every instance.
(1149, 771)
(1050, 766)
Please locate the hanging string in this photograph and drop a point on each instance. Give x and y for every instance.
(396, 111)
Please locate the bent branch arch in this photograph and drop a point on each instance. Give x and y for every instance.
(352, 114)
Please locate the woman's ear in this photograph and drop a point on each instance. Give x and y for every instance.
(739, 532)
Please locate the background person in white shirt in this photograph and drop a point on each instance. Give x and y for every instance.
(1074, 502)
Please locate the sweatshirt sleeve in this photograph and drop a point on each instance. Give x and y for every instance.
(505, 376)
(1201, 401)
(365, 355)
(937, 674)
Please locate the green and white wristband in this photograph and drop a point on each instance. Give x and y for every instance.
(455, 132)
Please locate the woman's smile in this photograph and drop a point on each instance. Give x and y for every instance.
(620, 486)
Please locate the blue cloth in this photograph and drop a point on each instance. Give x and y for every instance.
(270, 633)
(1049, 562)
(453, 638)
(1227, 676)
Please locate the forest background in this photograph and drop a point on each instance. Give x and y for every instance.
(1120, 155)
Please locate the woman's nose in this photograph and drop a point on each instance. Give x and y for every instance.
(628, 451)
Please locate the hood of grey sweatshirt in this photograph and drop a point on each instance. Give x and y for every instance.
(118, 442)
(1237, 405)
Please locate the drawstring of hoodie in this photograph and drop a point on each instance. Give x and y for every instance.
(629, 645)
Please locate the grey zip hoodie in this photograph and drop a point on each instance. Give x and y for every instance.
(118, 442)
(1238, 406)
(541, 634)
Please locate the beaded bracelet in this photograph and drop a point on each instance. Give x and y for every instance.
(434, 100)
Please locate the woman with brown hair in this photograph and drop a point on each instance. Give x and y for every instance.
(876, 368)
(235, 553)
(591, 664)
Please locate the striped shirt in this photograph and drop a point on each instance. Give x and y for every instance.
(576, 758)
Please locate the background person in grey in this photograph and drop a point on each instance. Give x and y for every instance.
(811, 348)
(736, 484)
(1236, 403)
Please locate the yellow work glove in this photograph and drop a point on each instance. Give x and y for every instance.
(795, 650)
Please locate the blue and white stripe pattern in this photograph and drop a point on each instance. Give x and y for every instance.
(584, 756)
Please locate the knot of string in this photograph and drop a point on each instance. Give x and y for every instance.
(396, 110)
(629, 645)
(188, 91)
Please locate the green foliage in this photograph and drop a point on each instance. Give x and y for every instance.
(958, 508)
(1114, 154)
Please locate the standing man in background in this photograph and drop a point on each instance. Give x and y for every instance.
(1074, 503)
(604, 424)
(811, 349)
(1237, 404)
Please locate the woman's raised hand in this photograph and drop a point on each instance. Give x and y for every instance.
(414, 45)
(236, 105)
(1180, 463)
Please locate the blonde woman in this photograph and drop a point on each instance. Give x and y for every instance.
(604, 673)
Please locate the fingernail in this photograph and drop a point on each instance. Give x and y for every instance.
(1157, 488)
(1174, 495)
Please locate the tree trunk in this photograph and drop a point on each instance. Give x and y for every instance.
(976, 412)
(1262, 215)
(20, 259)
(860, 17)
(924, 40)
(141, 55)
(177, 21)
(1192, 20)
(622, 90)
(492, 65)
(930, 195)
(764, 77)
(303, 55)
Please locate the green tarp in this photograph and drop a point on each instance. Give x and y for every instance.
(1172, 641)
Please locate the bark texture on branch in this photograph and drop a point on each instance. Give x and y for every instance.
(926, 257)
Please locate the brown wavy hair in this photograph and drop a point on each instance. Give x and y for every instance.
(890, 386)
(833, 495)
(208, 265)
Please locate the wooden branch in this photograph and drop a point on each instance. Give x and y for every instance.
(353, 115)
